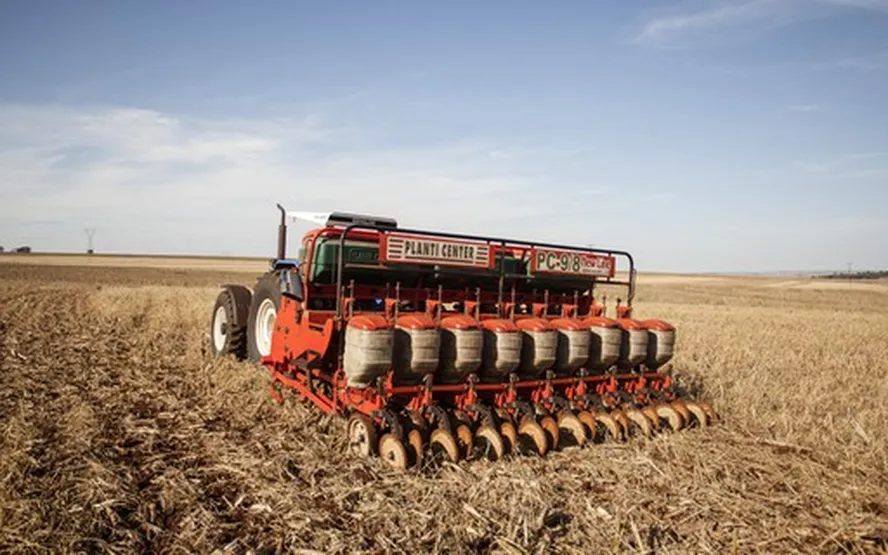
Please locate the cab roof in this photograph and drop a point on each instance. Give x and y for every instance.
(343, 219)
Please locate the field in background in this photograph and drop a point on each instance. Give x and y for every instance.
(256, 265)
(232, 264)
(122, 434)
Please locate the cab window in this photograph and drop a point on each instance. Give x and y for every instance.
(303, 256)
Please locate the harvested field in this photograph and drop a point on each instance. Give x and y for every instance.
(121, 434)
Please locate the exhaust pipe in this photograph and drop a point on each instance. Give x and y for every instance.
(282, 234)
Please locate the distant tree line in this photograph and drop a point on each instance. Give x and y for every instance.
(871, 274)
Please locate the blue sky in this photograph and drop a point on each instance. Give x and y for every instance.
(700, 135)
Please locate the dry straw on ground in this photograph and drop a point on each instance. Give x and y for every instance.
(121, 434)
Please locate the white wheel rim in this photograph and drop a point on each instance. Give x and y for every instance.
(359, 438)
(265, 317)
(220, 321)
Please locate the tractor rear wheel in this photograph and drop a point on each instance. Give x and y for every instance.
(228, 326)
(263, 311)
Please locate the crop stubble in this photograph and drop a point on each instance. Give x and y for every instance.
(122, 434)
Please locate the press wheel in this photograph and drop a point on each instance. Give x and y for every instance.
(362, 435)
(392, 451)
(613, 426)
(595, 431)
(670, 415)
(699, 415)
(571, 427)
(710, 412)
(640, 422)
(442, 442)
(652, 415)
(532, 436)
(414, 446)
(510, 436)
(622, 420)
(464, 440)
(682, 408)
(489, 443)
(551, 427)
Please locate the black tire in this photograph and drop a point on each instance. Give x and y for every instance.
(268, 288)
(232, 303)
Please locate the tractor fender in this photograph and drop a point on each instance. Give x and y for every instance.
(303, 338)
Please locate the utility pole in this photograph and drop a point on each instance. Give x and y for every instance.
(90, 231)
(849, 275)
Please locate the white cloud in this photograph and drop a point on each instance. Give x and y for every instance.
(853, 166)
(713, 16)
(875, 5)
(163, 183)
(871, 61)
(722, 16)
(155, 182)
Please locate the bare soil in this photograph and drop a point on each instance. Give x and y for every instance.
(122, 434)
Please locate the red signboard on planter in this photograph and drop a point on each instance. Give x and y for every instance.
(403, 248)
(548, 261)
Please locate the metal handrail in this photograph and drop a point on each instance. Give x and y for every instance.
(490, 240)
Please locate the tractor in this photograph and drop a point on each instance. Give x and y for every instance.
(442, 346)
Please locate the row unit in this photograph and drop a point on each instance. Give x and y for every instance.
(459, 345)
